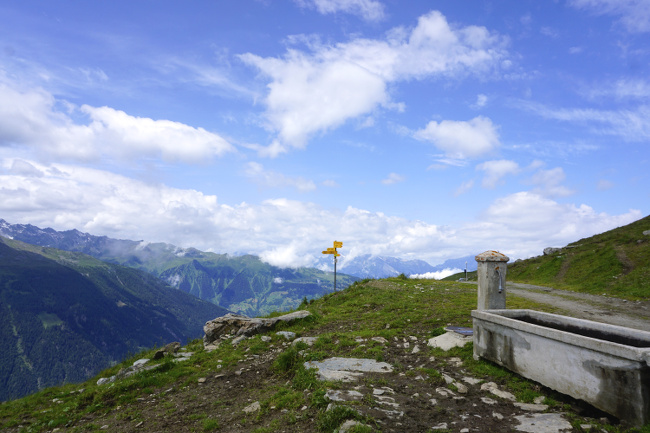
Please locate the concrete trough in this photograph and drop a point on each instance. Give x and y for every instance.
(604, 365)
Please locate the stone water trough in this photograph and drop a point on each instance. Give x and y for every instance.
(605, 365)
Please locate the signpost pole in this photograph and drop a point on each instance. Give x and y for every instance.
(335, 253)
(335, 272)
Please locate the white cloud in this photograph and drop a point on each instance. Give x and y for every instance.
(548, 183)
(369, 10)
(461, 139)
(604, 185)
(393, 178)
(631, 125)
(316, 91)
(46, 125)
(283, 232)
(464, 187)
(496, 170)
(438, 275)
(481, 101)
(627, 88)
(272, 179)
(135, 136)
(634, 14)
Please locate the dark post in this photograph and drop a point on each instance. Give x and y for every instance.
(335, 272)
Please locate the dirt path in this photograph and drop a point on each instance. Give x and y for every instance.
(615, 311)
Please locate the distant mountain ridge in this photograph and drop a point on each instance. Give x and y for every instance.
(369, 266)
(242, 284)
(64, 316)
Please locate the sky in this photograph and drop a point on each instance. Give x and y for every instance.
(426, 129)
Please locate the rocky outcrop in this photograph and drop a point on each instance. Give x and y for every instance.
(550, 250)
(240, 327)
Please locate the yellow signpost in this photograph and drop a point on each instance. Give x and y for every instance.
(335, 253)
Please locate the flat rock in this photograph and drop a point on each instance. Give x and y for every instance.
(494, 389)
(238, 325)
(255, 407)
(532, 407)
(543, 423)
(286, 334)
(347, 369)
(449, 340)
(309, 341)
(342, 395)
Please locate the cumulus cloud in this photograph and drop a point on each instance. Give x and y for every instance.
(369, 10)
(496, 170)
(46, 124)
(322, 88)
(284, 232)
(272, 179)
(461, 139)
(634, 15)
(393, 178)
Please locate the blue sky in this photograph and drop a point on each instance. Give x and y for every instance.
(419, 129)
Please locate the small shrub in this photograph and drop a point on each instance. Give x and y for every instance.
(331, 420)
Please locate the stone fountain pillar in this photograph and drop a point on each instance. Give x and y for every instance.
(491, 273)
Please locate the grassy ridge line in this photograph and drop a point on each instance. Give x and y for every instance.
(387, 308)
(614, 263)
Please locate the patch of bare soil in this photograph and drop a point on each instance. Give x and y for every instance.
(405, 400)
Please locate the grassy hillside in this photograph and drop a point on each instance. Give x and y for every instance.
(210, 392)
(65, 316)
(615, 263)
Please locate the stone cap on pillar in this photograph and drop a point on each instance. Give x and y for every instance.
(492, 256)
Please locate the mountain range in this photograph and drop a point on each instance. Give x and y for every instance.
(242, 284)
(65, 316)
(369, 266)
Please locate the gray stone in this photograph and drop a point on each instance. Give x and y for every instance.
(238, 340)
(104, 380)
(441, 426)
(381, 340)
(140, 362)
(286, 334)
(169, 349)
(309, 341)
(449, 340)
(235, 324)
(550, 250)
(342, 395)
(543, 423)
(646, 233)
(532, 407)
(347, 369)
(494, 389)
(349, 424)
(255, 407)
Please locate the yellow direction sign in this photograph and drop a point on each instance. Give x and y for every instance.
(338, 244)
(329, 252)
(332, 249)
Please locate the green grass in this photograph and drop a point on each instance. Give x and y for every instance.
(615, 263)
(387, 308)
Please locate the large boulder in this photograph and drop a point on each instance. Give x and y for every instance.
(235, 325)
(550, 250)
